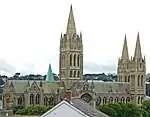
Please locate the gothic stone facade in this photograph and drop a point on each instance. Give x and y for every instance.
(130, 85)
(133, 71)
(28, 93)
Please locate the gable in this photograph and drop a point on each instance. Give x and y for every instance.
(34, 86)
(64, 109)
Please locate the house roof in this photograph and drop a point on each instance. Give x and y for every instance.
(61, 103)
(87, 109)
(82, 107)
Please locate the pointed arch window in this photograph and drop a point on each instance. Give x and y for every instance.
(127, 99)
(125, 78)
(37, 99)
(122, 99)
(127, 65)
(74, 60)
(51, 101)
(78, 74)
(98, 101)
(46, 101)
(142, 81)
(31, 99)
(63, 60)
(71, 74)
(138, 100)
(141, 100)
(116, 99)
(128, 78)
(20, 101)
(74, 74)
(111, 99)
(78, 60)
(70, 59)
(140, 65)
(138, 82)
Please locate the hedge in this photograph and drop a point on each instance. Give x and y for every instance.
(33, 110)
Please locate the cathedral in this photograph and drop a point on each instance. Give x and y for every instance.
(130, 85)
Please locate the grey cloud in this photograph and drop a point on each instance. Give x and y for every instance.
(93, 67)
(6, 67)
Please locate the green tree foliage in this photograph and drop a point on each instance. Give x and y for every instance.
(144, 113)
(33, 110)
(121, 110)
(146, 107)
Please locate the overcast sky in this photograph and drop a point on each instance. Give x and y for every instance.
(30, 32)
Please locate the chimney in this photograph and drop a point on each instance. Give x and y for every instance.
(68, 95)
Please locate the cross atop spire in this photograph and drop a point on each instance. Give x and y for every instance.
(125, 54)
(71, 28)
(138, 53)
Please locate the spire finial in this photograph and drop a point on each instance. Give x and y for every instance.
(71, 29)
(125, 55)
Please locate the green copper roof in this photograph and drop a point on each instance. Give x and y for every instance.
(49, 77)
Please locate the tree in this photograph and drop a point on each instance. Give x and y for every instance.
(121, 110)
(144, 113)
(109, 111)
(132, 110)
(146, 107)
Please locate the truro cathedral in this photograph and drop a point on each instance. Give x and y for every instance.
(130, 85)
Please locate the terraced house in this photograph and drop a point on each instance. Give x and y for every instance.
(130, 85)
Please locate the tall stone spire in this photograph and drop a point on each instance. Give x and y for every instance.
(125, 54)
(138, 53)
(71, 28)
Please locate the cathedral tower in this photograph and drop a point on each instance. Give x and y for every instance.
(71, 52)
(133, 71)
(138, 74)
(123, 64)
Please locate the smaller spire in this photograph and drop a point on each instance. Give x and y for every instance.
(125, 54)
(138, 53)
(49, 77)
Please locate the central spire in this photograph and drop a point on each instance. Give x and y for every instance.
(71, 28)
(125, 54)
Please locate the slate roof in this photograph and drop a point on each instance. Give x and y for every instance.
(20, 85)
(117, 87)
(87, 109)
